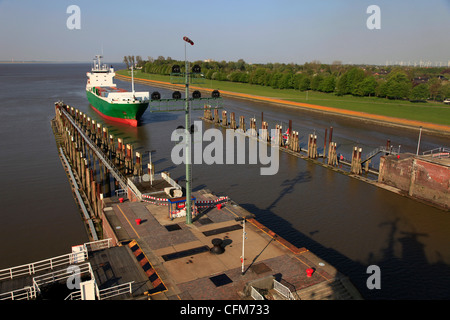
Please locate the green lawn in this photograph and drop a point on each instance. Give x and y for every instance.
(433, 112)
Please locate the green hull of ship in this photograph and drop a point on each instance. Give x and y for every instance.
(126, 111)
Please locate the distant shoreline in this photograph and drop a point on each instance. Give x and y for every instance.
(50, 62)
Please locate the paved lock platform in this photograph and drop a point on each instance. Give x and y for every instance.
(180, 264)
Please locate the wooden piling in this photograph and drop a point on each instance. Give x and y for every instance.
(242, 123)
(312, 146)
(290, 133)
(233, 121)
(253, 130)
(225, 118)
(216, 116)
(332, 155)
(356, 161)
(138, 166)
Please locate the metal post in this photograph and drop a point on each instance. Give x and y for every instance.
(418, 143)
(243, 242)
(188, 142)
(243, 247)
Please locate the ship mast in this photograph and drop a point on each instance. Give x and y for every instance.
(132, 79)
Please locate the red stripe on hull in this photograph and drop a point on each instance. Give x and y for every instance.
(131, 122)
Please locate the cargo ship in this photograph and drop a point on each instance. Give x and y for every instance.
(111, 102)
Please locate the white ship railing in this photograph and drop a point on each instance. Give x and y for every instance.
(32, 268)
(103, 294)
(26, 293)
(62, 274)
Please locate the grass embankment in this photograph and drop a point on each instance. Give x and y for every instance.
(430, 112)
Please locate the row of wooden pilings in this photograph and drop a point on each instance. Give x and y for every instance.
(290, 140)
(96, 180)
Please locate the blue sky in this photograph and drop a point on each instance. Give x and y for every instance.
(258, 31)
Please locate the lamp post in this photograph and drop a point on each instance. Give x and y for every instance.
(188, 137)
(243, 219)
(150, 165)
(176, 97)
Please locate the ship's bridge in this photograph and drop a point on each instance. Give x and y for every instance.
(100, 78)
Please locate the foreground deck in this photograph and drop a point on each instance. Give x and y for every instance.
(178, 261)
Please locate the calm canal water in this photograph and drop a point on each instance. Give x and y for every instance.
(347, 223)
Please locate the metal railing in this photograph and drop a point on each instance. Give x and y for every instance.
(283, 290)
(32, 268)
(134, 189)
(438, 153)
(30, 292)
(98, 245)
(76, 295)
(115, 291)
(170, 181)
(373, 153)
(125, 288)
(256, 295)
(111, 167)
(62, 274)
(26, 293)
(121, 192)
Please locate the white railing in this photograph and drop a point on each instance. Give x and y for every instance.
(170, 181)
(105, 293)
(30, 292)
(98, 245)
(26, 293)
(283, 290)
(62, 274)
(32, 268)
(121, 192)
(256, 295)
(438, 153)
(134, 189)
(76, 295)
(115, 291)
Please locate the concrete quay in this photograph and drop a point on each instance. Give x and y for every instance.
(180, 265)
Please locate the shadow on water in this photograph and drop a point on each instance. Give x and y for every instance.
(405, 269)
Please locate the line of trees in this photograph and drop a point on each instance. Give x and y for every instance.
(392, 82)
(135, 61)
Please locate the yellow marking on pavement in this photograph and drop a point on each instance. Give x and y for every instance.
(129, 223)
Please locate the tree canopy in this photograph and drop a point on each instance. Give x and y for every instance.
(390, 82)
